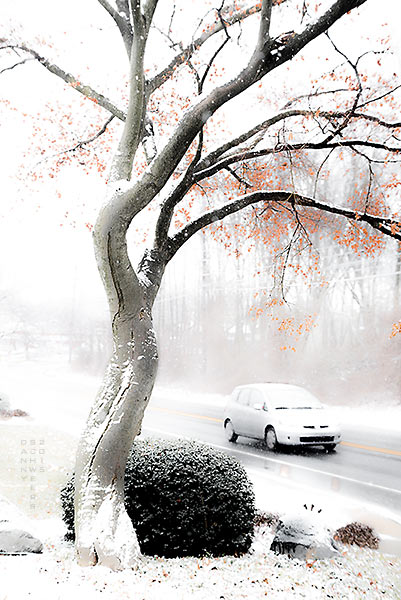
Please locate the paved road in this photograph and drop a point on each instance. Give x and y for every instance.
(367, 465)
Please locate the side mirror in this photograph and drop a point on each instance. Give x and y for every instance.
(258, 406)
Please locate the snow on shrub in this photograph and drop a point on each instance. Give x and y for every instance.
(184, 499)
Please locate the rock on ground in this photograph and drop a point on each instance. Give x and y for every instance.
(13, 538)
(18, 541)
(299, 538)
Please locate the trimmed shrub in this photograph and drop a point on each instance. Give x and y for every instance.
(184, 499)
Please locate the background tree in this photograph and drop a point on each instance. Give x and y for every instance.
(165, 152)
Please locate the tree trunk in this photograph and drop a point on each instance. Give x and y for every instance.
(104, 532)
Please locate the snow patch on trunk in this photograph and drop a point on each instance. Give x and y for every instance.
(110, 539)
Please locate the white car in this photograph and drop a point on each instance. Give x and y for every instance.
(279, 413)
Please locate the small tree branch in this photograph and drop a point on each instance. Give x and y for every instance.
(122, 22)
(71, 80)
(244, 155)
(211, 158)
(136, 113)
(112, 11)
(240, 180)
(167, 209)
(148, 12)
(265, 20)
(187, 52)
(387, 226)
(82, 143)
(315, 95)
(216, 53)
(372, 100)
(233, 144)
(349, 113)
(21, 62)
(320, 169)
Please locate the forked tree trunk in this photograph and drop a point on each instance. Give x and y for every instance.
(104, 532)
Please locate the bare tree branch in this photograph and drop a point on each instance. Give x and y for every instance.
(315, 95)
(216, 53)
(22, 62)
(372, 100)
(337, 131)
(83, 143)
(265, 19)
(85, 90)
(71, 150)
(167, 209)
(123, 23)
(112, 11)
(369, 159)
(136, 113)
(387, 226)
(187, 52)
(320, 170)
(244, 155)
(233, 144)
(211, 158)
(148, 12)
(240, 179)
(286, 254)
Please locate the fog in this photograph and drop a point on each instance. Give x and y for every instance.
(213, 324)
(52, 305)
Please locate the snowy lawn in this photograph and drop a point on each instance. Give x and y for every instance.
(54, 574)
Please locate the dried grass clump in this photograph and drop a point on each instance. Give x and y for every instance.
(358, 534)
(8, 414)
(265, 518)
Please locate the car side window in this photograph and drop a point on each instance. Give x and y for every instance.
(243, 398)
(256, 397)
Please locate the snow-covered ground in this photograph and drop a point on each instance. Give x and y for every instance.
(259, 574)
(58, 401)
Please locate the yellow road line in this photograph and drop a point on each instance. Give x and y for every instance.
(185, 414)
(215, 420)
(372, 448)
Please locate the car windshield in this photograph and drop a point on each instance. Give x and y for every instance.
(295, 399)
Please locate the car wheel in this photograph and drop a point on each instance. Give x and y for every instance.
(230, 433)
(330, 447)
(271, 439)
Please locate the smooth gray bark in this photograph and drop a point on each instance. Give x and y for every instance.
(104, 532)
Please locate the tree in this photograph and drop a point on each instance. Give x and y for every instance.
(177, 166)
